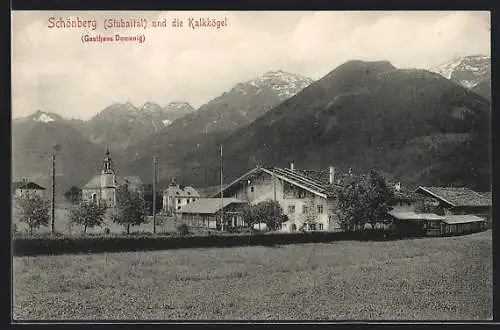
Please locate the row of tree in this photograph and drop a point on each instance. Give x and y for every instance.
(131, 210)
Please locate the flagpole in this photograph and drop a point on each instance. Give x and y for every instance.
(221, 192)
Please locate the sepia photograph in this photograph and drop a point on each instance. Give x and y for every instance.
(319, 166)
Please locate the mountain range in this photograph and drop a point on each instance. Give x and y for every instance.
(417, 126)
(228, 112)
(413, 124)
(121, 125)
(473, 72)
(131, 132)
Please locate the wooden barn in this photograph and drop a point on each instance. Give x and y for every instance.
(206, 213)
(462, 224)
(411, 223)
(430, 224)
(455, 201)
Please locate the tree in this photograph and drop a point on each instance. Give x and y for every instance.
(73, 195)
(88, 214)
(130, 208)
(269, 212)
(148, 197)
(32, 210)
(364, 200)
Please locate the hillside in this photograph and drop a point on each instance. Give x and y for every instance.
(417, 125)
(199, 130)
(32, 144)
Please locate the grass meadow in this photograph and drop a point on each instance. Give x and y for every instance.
(420, 279)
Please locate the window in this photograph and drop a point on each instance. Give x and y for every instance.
(312, 226)
(178, 207)
(291, 209)
(304, 209)
(320, 209)
(189, 193)
(251, 189)
(179, 201)
(194, 199)
(187, 201)
(320, 226)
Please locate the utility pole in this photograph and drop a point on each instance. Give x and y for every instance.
(154, 194)
(221, 192)
(274, 191)
(206, 155)
(53, 201)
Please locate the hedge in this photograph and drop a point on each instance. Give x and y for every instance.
(49, 245)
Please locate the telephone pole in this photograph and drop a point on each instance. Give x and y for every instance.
(53, 201)
(274, 191)
(206, 155)
(221, 193)
(154, 194)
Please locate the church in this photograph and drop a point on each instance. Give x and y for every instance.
(102, 187)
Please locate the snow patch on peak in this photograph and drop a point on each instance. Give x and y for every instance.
(178, 105)
(285, 84)
(151, 107)
(468, 71)
(43, 117)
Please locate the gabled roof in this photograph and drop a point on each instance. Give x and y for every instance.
(208, 205)
(309, 180)
(456, 196)
(94, 183)
(26, 185)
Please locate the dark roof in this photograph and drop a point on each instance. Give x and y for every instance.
(208, 205)
(316, 181)
(313, 181)
(456, 196)
(26, 185)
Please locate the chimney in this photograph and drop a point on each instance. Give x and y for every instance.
(291, 167)
(397, 186)
(331, 178)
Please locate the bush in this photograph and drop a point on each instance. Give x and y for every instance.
(141, 233)
(183, 229)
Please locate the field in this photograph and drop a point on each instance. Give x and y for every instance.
(430, 278)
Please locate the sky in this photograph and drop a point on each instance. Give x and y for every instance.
(54, 71)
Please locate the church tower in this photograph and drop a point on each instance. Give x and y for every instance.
(108, 180)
